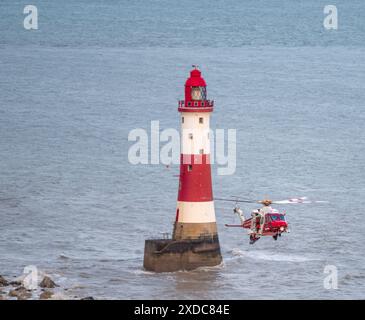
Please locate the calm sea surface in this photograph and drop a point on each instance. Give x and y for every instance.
(70, 92)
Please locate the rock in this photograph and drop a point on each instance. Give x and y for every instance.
(46, 295)
(47, 282)
(13, 293)
(16, 283)
(87, 298)
(2, 298)
(59, 296)
(3, 282)
(24, 296)
(20, 293)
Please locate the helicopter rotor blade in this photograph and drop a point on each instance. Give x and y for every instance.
(301, 200)
(235, 200)
(297, 201)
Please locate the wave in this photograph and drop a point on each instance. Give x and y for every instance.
(269, 256)
(213, 268)
(141, 271)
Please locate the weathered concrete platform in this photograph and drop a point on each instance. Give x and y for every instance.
(168, 255)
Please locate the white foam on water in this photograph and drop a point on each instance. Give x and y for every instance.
(142, 272)
(268, 256)
(200, 269)
(213, 268)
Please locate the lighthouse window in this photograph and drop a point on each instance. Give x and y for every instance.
(204, 92)
(201, 120)
(195, 104)
(198, 93)
(201, 151)
(190, 136)
(182, 119)
(190, 167)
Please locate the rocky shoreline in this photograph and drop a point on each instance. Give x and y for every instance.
(46, 289)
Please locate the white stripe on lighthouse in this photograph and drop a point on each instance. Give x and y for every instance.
(195, 133)
(196, 212)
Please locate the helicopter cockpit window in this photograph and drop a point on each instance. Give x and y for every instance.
(276, 217)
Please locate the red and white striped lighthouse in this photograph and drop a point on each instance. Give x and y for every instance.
(195, 215)
(195, 240)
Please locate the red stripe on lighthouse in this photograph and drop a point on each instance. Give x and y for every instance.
(195, 178)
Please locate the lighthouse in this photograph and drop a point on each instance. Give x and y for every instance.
(195, 216)
(194, 242)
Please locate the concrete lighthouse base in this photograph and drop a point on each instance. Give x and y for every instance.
(168, 255)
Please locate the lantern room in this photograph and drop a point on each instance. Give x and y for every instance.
(195, 94)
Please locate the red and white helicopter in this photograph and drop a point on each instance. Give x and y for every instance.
(265, 221)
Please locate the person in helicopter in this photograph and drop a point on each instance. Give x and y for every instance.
(255, 213)
(260, 213)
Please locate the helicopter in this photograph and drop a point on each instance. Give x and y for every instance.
(265, 221)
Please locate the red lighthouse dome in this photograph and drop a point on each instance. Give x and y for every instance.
(195, 94)
(195, 79)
